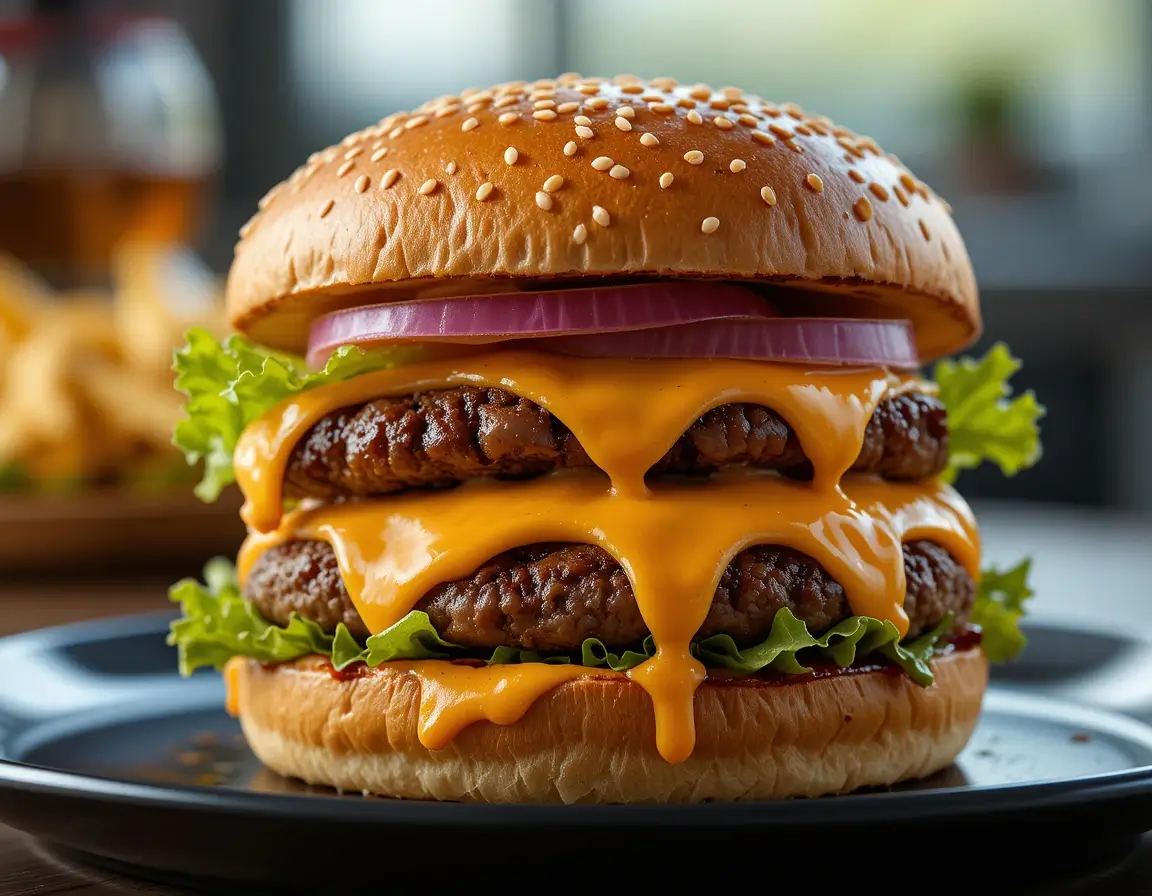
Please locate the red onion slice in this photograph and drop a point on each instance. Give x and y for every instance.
(830, 341)
(521, 315)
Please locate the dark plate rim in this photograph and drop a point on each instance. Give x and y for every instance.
(850, 809)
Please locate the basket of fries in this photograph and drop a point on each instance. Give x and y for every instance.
(88, 474)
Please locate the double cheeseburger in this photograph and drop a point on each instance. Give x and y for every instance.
(586, 458)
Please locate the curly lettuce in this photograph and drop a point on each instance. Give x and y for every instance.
(983, 424)
(230, 384)
(217, 623)
(999, 608)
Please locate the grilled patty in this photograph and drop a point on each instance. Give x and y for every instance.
(440, 438)
(550, 597)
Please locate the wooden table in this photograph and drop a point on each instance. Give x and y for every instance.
(27, 868)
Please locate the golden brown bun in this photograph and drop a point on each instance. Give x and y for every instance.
(592, 740)
(847, 218)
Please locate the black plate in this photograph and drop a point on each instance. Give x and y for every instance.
(111, 755)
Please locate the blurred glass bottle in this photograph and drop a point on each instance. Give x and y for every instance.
(109, 129)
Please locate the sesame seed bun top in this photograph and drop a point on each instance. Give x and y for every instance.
(589, 176)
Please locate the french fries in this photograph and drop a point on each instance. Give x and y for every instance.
(86, 382)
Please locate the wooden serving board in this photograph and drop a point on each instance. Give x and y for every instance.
(111, 530)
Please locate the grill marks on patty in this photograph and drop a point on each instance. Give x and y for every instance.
(550, 597)
(442, 437)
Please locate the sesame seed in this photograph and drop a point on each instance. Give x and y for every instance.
(362, 183)
(554, 183)
(723, 122)
(352, 153)
(818, 128)
(761, 137)
(415, 122)
(544, 104)
(814, 183)
(780, 131)
(450, 168)
(709, 225)
(685, 103)
(878, 191)
(619, 172)
(662, 108)
(768, 195)
(582, 120)
(653, 97)
(475, 107)
(737, 165)
(468, 124)
(732, 93)
(545, 94)
(793, 110)
(862, 208)
(379, 154)
(664, 83)
(801, 129)
(511, 155)
(901, 195)
(626, 112)
(602, 163)
(429, 186)
(694, 117)
(749, 120)
(543, 200)
(908, 182)
(624, 124)
(390, 177)
(632, 88)
(570, 148)
(484, 191)
(856, 175)
(924, 230)
(666, 180)
(720, 104)
(771, 112)
(585, 132)
(345, 168)
(693, 157)
(544, 114)
(700, 92)
(327, 207)
(395, 132)
(794, 146)
(597, 102)
(445, 111)
(589, 89)
(580, 234)
(565, 108)
(600, 216)
(504, 102)
(508, 118)
(649, 140)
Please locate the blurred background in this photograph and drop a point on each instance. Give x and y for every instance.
(136, 138)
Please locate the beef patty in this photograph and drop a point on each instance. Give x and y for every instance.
(443, 437)
(550, 597)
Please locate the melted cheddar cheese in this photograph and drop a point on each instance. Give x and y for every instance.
(672, 538)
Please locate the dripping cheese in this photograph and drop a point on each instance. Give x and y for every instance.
(673, 539)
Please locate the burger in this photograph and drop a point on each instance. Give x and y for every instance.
(587, 455)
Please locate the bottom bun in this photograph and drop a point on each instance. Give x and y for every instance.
(593, 740)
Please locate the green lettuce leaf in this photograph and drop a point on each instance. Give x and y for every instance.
(999, 608)
(218, 623)
(230, 384)
(983, 425)
(854, 637)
